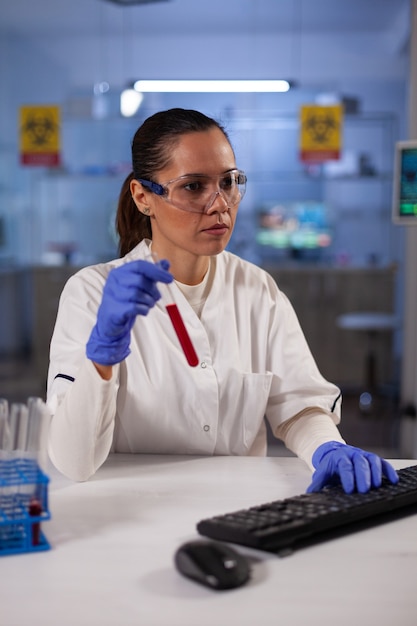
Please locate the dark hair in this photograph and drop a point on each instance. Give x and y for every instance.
(152, 147)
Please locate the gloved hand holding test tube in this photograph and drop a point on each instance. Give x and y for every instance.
(177, 321)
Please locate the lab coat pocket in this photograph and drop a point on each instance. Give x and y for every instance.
(246, 398)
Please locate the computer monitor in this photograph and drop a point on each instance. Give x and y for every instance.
(301, 230)
(404, 205)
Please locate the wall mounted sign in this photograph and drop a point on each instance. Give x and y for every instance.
(320, 132)
(40, 129)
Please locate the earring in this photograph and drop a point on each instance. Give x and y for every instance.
(146, 211)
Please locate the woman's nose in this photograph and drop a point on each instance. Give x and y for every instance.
(217, 203)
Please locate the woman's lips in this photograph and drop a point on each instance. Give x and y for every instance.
(216, 229)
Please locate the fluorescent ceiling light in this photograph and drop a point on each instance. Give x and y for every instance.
(129, 3)
(213, 86)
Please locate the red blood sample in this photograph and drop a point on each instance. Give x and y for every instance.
(182, 334)
(35, 509)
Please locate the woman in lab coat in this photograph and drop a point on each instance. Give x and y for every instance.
(119, 379)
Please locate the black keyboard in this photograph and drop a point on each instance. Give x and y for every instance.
(282, 525)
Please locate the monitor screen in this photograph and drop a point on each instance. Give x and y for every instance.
(404, 206)
(298, 229)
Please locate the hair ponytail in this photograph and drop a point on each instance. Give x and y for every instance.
(131, 225)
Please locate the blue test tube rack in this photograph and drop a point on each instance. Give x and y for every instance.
(23, 506)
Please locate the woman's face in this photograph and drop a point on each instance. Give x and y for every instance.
(175, 231)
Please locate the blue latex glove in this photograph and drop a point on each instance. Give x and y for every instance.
(130, 290)
(354, 468)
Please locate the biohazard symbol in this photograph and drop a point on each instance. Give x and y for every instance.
(321, 127)
(40, 129)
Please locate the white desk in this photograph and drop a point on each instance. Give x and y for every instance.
(114, 537)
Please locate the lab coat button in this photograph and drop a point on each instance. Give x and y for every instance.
(203, 364)
(206, 428)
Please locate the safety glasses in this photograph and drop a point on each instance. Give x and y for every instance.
(196, 193)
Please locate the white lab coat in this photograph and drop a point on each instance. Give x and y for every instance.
(253, 362)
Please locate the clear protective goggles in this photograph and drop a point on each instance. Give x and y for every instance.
(196, 193)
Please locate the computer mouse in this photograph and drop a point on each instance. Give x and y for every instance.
(213, 564)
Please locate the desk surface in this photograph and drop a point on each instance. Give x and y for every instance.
(113, 540)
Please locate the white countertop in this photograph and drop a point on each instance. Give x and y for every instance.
(113, 539)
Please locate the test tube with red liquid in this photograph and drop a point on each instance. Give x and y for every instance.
(178, 324)
(182, 333)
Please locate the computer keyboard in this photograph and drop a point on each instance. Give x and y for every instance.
(282, 525)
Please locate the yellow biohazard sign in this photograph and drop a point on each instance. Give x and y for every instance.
(320, 132)
(40, 135)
